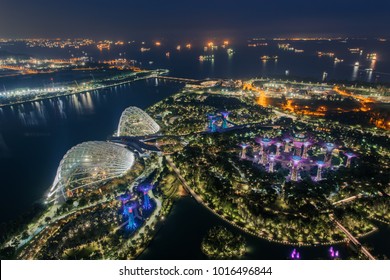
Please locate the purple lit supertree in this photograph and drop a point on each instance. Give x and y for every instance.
(258, 156)
(295, 165)
(299, 138)
(349, 158)
(271, 162)
(265, 143)
(306, 146)
(320, 165)
(328, 155)
(293, 152)
(278, 145)
(243, 151)
(146, 201)
(225, 119)
(130, 207)
(287, 144)
(298, 148)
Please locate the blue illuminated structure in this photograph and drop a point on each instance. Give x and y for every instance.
(211, 118)
(225, 119)
(129, 209)
(213, 126)
(124, 198)
(146, 205)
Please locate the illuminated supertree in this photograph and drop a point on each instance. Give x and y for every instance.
(146, 201)
(298, 148)
(213, 125)
(271, 162)
(328, 155)
(299, 139)
(349, 158)
(320, 165)
(306, 146)
(265, 143)
(243, 151)
(124, 198)
(295, 165)
(210, 117)
(286, 144)
(130, 207)
(278, 145)
(225, 119)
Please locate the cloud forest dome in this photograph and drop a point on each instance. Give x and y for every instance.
(89, 164)
(136, 122)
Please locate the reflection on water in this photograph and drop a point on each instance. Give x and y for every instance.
(355, 73)
(212, 67)
(371, 70)
(373, 64)
(59, 105)
(275, 66)
(4, 150)
(38, 113)
(369, 75)
(76, 105)
(88, 102)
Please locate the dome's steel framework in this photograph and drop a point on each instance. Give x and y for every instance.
(136, 122)
(90, 164)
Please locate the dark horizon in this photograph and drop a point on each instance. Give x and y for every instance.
(200, 20)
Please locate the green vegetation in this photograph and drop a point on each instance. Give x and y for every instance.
(264, 203)
(185, 112)
(220, 243)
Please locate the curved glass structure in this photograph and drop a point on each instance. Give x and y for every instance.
(136, 122)
(90, 164)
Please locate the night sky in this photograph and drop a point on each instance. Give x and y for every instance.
(129, 19)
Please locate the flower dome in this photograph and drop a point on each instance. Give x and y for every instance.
(88, 165)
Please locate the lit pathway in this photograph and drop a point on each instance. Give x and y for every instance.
(352, 238)
(37, 228)
(348, 199)
(176, 79)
